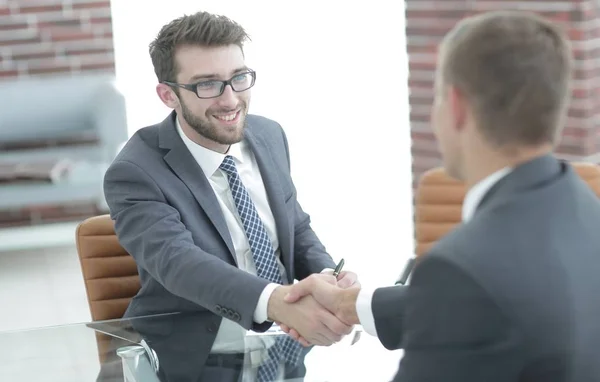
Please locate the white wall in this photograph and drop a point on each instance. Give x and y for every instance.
(346, 119)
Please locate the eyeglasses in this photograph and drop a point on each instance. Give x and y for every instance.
(214, 88)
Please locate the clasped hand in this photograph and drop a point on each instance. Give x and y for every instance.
(312, 310)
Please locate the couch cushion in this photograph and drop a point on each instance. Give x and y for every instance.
(37, 108)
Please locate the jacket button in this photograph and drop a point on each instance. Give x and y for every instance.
(218, 309)
(236, 316)
(211, 328)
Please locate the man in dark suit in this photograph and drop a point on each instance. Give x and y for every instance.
(512, 293)
(205, 203)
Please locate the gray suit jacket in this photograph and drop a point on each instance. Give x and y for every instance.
(512, 295)
(168, 218)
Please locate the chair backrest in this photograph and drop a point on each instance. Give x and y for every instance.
(109, 272)
(439, 199)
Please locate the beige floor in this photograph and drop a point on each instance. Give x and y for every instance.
(42, 287)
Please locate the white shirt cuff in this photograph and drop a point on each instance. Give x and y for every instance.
(365, 312)
(261, 313)
(327, 270)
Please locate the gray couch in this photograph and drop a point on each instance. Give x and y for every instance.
(60, 108)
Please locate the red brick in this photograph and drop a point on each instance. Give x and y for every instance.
(576, 132)
(109, 66)
(8, 73)
(68, 23)
(575, 148)
(422, 134)
(34, 55)
(76, 211)
(86, 5)
(101, 20)
(412, 14)
(414, 83)
(578, 113)
(13, 26)
(421, 65)
(70, 35)
(417, 49)
(51, 69)
(40, 8)
(581, 93)
(22, 41)
(83, 51)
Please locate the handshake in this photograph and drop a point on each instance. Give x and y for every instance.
(319, 310)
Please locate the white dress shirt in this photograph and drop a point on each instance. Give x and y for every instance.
(230, 335)
(472, 199)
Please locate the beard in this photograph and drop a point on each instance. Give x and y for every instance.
(224, 135)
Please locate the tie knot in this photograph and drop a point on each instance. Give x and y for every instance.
(228, 165)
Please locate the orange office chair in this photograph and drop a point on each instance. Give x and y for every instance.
(439, 199)
(109, 272)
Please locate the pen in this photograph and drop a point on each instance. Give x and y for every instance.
(338, 268)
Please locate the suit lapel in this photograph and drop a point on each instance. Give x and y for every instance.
(275, 196)
(183, 164)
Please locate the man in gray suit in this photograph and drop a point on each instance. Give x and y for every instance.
(205, 204)
(512, 293)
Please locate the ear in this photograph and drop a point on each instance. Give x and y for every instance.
(167, 95)
(458, 105)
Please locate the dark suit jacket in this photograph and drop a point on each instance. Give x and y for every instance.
(168, 218)
(511, 295)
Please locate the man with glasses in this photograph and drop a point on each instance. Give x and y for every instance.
(205, 204)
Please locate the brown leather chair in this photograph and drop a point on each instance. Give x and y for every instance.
(439, 198)
(109, 273)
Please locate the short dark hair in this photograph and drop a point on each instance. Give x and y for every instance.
(200, 29)
(515, 69)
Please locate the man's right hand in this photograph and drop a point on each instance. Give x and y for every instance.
(315, 324)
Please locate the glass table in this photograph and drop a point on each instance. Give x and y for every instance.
(142, 350)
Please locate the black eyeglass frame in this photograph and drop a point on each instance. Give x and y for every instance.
(194, 86)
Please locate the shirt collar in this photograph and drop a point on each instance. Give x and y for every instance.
(478, 191)
(209, 160)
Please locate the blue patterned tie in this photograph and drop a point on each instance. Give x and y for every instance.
(266, 267)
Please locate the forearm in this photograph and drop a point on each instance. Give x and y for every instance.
(388, 307)
(454, 324)
(188, 272)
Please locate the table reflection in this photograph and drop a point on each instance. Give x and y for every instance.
(158, 348)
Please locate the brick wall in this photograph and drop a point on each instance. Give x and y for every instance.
(428, 21)
(46, 37)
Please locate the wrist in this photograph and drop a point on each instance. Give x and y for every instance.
(276, 301)
(347, 308)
